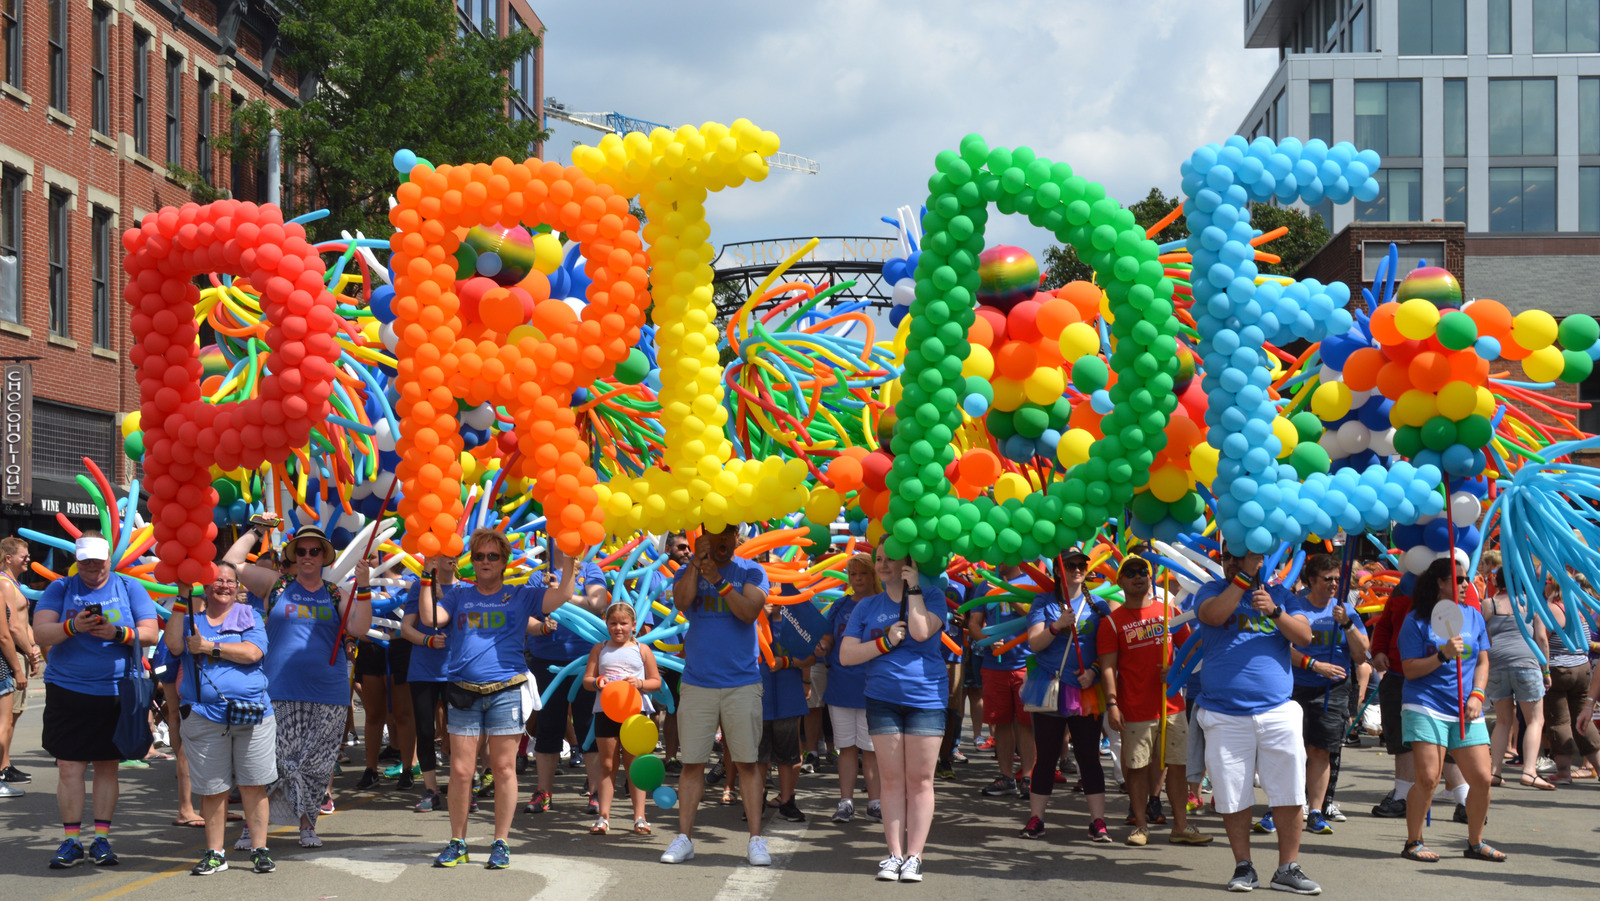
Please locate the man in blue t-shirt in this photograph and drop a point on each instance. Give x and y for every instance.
(721, 595)
(1323, 679)
(1247, 713)
(1003, 675)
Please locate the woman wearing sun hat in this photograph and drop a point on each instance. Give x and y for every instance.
(303, 613)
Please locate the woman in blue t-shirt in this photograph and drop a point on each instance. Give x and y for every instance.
(488, 624)
(425, 677)
(899, 637)
(846, 696)
(224, 643)
(1431, 716)
(308, 674)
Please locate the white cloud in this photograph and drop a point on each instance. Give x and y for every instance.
(873, 90)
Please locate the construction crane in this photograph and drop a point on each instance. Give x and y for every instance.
(617, 123)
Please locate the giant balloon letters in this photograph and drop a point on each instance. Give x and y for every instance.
(184, 435)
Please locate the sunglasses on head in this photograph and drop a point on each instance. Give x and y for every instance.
(487, 558)
(308, 550)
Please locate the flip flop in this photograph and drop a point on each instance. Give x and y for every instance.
(1539, 782)
(235, 817)
(196, 823)
(1484, 851)
(1416, 850)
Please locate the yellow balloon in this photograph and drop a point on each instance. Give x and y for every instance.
(1010, 485)
(1074, 447)
(1417, 318)
(1203, 463)
(1414, 408)
(1288, 435)
(130, 423)
(1331, 400)
(1168, 483)
(1544, 364)
(823, 506)
(638, 734)
(1045, 385)
(1485, 404)
(979, 362)
(546, 253)
(1008, 395)
(874, 531)
(1535, 330)
(901, 334)
(1457, 400)
(516, 335)
(1078, 339)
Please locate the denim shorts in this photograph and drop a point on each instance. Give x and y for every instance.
(8, 685)
(889, 718)
(496, 714)
(1526, 683)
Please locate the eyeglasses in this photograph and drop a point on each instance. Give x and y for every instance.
(308, 550)
(487, 558)
(1330, 578)
(221, 584)
(1463, 579)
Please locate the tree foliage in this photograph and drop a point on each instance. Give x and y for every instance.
(390, 74)
(1061, 262)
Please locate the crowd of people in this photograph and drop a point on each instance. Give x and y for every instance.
(1245, 684)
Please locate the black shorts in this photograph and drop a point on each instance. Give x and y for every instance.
(780, 741)
(80, 727)
(399, 660)
(671, 679)
(1326, 714)
(971, 672)
(551, 727)
(371, 659)
(1389, 692)
(606, 727)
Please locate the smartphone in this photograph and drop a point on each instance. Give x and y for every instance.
(268, 520)
(93, 610)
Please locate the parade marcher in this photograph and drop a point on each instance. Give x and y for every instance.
(622, 659)
(1252, 726)
(846, 696)
(1003, 675)
(230, 733)
(1323, 681)
(381, 673)
(1517, 681)
(551, 644)
(14, 560)
(1572, 728)
(898, 635)
(92, 622)
(303, 613)
(425, 677)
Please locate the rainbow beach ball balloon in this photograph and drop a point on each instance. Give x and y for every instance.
(1431, 283)
(1006, 276)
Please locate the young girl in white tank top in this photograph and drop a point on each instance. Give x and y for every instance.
(630, 669)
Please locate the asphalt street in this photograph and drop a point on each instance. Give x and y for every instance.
(376, 848)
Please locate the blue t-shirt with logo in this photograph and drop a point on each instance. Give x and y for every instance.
(84, 663)
(1003, 612)
(564, 645)
(720, 650)
(1435, 693)
(1246, 659)
(303, 627)
(1088, 610)
(219, 681)
(847, 685)
(783, 692)
(487, 631)
(427, 664)
(912, 674)
(1328, 644)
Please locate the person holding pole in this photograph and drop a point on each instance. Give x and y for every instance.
(1322, 677)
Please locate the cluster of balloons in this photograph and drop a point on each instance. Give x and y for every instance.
(183, 435)
(622, 703)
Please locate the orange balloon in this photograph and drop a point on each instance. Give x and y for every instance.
(981, 333)
(1055, 314)
(1016, 360)
(1383, 327)
(1467, 366)
(1492, 317)
(846, 473)
(501, 310)
(979, 467)
(1394, 379)
(1084, 417)
(1361, 369)
(1429, 371)
(1511, 350)
(552, 316)
(1085, 296)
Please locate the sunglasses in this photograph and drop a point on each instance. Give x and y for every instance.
(487, 558)
(308, 550)
(1332, 579)
(1463, 579)
(1136, 572)
(1077, 567)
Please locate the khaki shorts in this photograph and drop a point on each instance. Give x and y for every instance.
(737, 709)
(1139, 742)
(19, 699)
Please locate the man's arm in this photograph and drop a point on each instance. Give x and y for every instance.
(1217, 609)
(748, 602)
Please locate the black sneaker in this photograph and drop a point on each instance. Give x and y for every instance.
(1002, 785)
(405, 780)
(1034, 829)
(1152, 812)
(211, 862)
(1460, 815)
(522, 764)
(389, 752)
(12, 774)
(261, 861)
(1024, 786)
(369, 778)
(1288, 878)
(791, 811)
(1390, 808)
(1244, 878)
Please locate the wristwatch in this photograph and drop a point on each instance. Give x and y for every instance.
(1442, 657)
(1275, 612)
(216, 652)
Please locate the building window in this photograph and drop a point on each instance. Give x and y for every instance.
(174, 108)
(1522, 117)
(202, 141)
(1433, 27)
(1566, 26)
(468, 10)
(1522, 199)
(102, 277)
(100, 71)
(235, 160)
(1589, 198)
(1455, 195)
(141, 92)
(1389, 117)
(1455, 117)
(1399, 198)
(1500, 26)
(1360, 31)
(1589, 392)
(491, 11)
(1320, 105)
(10, 244)
(64, 435)
(58, 53)
(1589, 116)
(1280, 116)
(1408, 256)
(11, 41)
(60, 238)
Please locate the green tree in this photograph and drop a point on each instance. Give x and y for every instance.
(389, 74)
(1061, 261)
(1307, 235)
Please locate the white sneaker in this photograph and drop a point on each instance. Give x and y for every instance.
(7, 790)
(681, 849)
(243, 844)
(845, 812)
(309, 839)
(911, 870)
(757, 853)
(889, 869)
(1333, 813)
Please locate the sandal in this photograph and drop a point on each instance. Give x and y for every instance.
(1419, 852)
(1484, 851)
(727, 796)
(1539, 782)
(600, 827)
(1497, 781)
(641, 826)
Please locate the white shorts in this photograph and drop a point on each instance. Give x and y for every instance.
(1239, 747)
(850, 727)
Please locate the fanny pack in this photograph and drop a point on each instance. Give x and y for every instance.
(462, 695)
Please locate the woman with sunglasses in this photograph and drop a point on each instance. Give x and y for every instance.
(1431, 720)
(487, 624)
(303, 613)
(1323, 681)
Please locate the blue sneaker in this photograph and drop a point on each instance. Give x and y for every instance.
(499, 855)
(453, 853)
(1266, 825)
(100, 852)
(1317, 823)
(70, 854)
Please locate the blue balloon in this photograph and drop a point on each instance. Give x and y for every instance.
(404, 161)
(1374, 414)
(665, 797)
(1488, 348)
(382, 297)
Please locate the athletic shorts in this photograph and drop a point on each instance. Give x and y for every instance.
(78, 726)
(780, 741)
(738, 710)
(372, 659)
(1446, 733)
(1325, 714)
(221, 757)
(1240, 747)
(1002, 696)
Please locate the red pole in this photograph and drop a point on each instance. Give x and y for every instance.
(1450, 529)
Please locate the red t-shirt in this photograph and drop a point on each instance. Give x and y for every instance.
(1137, 637)
(1386, 625)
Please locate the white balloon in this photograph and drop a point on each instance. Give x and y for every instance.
(1330, 375)
(1382, 443)
(479, 417)
(576, 303)
(1464, 509)
(387, 335)
(1330, 443)
(1354, 437)
(905, 291)
(1357, 398)
(1416, 560)
(384, 437)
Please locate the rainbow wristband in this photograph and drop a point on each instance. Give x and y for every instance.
(1242, 582)
(883, 645)
(726, 589)
(124, 635)
(364, 594)
(1476, 692)
(68, 628)
(1305, 663)
(180, 607)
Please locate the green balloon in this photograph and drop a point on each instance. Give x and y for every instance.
(1578, 332)
(1031, 420)
(1187, 508)
(227, 491)
(1407, 440)
(1309, 457)
(981, 387)
(818, 537)
(634, 369)
(1438, 433)
(1307, 425)
(1008, 541)
(1149, 509)
(133, 445)
(1457, 330)
(647, 772)
(1474, 431)
(1578, 367)
(1089, 374)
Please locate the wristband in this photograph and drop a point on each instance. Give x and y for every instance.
(1442, 657)
(125, 635)
(364, 594)
(780, 662)
(68, 627)
(181, 608)
(1305, 663)
(1243, 583)
(1052, 628)
(883, 645)
(1477, 693)
(726, 590)
(429, 641)
(1111, 704)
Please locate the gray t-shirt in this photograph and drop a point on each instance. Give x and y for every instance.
(1507, 647)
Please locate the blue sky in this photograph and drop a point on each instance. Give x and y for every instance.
(873, 90)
